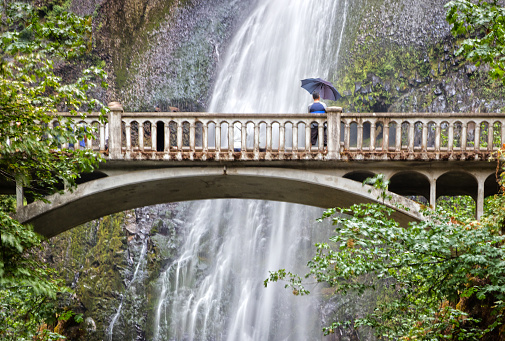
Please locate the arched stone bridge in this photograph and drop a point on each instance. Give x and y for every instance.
(162, 157)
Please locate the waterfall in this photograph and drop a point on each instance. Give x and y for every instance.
(213, 289)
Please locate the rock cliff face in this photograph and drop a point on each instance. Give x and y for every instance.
(399, 56)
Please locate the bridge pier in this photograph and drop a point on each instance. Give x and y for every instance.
(20, 198)
(479, 202)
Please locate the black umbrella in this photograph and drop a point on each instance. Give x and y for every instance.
(326, 89)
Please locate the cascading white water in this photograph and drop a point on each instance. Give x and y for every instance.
(214, 289)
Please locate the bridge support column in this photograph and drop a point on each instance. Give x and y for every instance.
(433, 193)
(479, 203)
(333, 138)
(115, 130)
(19, 194)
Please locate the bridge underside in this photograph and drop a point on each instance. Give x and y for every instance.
(133, 189)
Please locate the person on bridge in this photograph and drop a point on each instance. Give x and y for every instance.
(317, 107)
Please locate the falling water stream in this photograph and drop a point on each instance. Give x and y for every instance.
(213, 290)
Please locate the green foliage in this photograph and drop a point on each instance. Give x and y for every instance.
(30, 93)
(484, 22)
(444, 277)
(31, 153)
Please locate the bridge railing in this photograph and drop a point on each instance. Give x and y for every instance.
(210, 136)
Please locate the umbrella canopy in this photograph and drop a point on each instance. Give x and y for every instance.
(326, 89)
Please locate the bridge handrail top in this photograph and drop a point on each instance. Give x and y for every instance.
(289, 115)
(421, 115)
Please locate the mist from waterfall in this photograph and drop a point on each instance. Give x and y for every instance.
(213, 289)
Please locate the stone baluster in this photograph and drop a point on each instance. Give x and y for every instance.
(438, 136)
(179, 135)
(282, 137)
(464, 133)
(231, 138)
(490, 133)
(502, 136)
(424, 138)
(347, 137)
(359, 144)
(450, 142)
(308, 143)
(218, 137)
(411, 136)
(141, 136)
(115, 113)
(89, 142)
(269, 138)
(295, 138)
(372, 135)
(320, 136)
(205, 137)
(154, 136)
(192, 134)
(102, 136)
(167, 137)
(476, 145)
(398, 138)
(385, 136)
(128, 134)
(256, 138)
(243, 138)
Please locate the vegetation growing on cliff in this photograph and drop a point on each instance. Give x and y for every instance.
(484, 23)
(31, 149)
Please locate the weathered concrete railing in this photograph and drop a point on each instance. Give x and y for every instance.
(422, 135)
(363, 136)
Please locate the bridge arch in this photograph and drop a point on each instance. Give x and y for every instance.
(457, 183)
(410, 183)
(359, 176)
(148, 187)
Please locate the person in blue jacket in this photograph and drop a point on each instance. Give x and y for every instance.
(317, 107)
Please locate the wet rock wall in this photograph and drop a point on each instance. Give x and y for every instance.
(399, 56)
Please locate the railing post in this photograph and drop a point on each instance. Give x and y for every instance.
(333, 139)
(116, 111)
